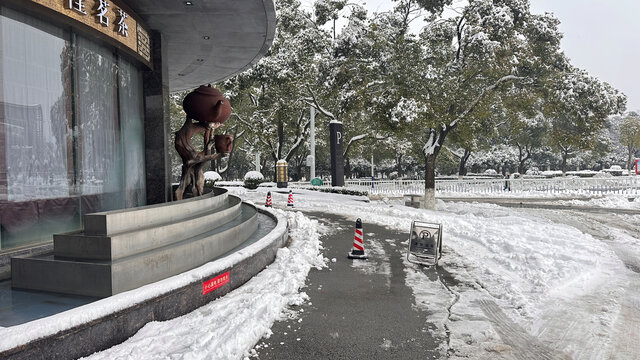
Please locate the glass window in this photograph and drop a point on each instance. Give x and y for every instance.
(101, 171)
(132, 130)
(35, 141)
(34, 108)
(71, 130)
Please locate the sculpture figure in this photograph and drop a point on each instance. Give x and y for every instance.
(210, 109)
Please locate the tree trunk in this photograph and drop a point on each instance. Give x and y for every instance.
(430, 182)
(629, 162)
(275, 162)
(347, 168)
(399, 166)
(563, 165)
(263, 163)
(299, 168)
(462, 168)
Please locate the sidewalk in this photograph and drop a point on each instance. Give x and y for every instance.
(358, 309)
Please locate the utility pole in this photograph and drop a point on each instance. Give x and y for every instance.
(312, 139)
(373, 177)
(258, 162)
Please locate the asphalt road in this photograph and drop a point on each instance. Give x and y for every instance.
(355, 311)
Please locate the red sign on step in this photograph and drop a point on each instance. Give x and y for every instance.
(216, 282)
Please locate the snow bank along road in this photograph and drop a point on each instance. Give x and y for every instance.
(527, 283)
(513, 284)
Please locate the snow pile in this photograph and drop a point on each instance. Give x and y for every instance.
(611, 201)
(552, 173)
(253, 175)
(230, 183)
(227, 328)
(212, 176)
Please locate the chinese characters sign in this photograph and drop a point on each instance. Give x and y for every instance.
(108, 17)
(102, 14)
(216, 282)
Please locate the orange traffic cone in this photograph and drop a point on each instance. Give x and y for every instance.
(358, 243)
(267, 203)
(290, 201)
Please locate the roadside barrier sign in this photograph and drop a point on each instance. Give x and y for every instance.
(425, 243)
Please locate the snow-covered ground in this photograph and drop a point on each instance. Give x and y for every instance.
(611, 201)
(228, 327)
(525, 283)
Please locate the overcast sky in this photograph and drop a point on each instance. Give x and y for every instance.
(602, 37)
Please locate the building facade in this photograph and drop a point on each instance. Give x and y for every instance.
(84, 89)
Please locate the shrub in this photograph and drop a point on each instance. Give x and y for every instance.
(210, 178)
(337, 190)
(252, 179)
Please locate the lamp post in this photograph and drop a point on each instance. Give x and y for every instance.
(312, 139)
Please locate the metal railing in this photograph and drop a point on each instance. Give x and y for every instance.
(624, 185)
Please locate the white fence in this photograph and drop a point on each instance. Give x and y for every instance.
(626, 185)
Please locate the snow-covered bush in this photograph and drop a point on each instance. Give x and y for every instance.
(393, 175)
(339, 190)
(252, 179)
(614, 170)
(490, 172)
(552, 173)
(210, 178)
(533, 171)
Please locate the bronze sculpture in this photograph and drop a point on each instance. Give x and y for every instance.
(210, 109)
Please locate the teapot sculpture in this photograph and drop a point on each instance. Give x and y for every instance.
(207, 104)
(210, 109)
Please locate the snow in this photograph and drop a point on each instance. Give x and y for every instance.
(513, 269)
(21, 334)
(212, 175)
(254, 175)
(611, 201)
(227, 328)
(516, 271)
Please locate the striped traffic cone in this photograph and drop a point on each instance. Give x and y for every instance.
(358, 243)
(290, 201)
(267, 203)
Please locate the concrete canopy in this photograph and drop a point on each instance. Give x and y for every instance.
(208, 41)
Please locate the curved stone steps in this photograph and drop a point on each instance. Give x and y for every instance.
(100, 325)
(123, 220)
(79, 245)
(128, 254)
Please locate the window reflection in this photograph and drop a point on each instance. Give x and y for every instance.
(71, 130)
(33, 109)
